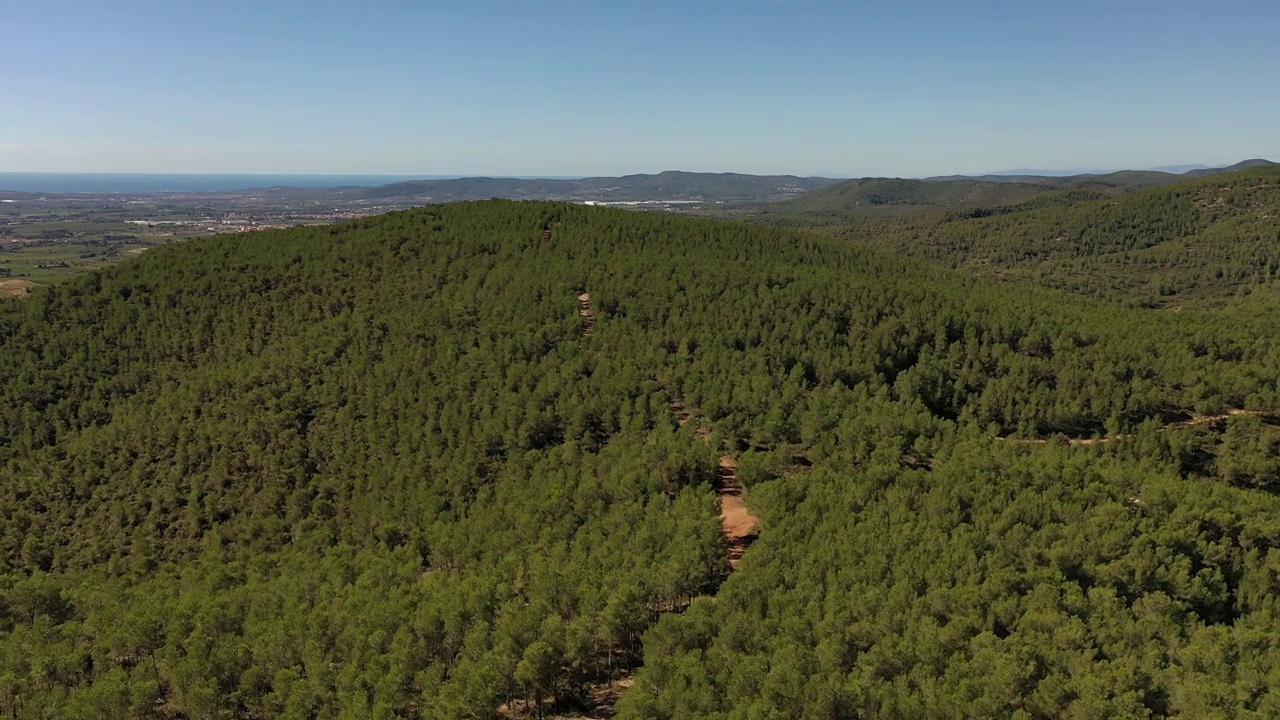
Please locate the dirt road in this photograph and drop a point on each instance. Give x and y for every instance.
(739, 524)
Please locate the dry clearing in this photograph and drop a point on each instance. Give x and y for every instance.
(15, 287)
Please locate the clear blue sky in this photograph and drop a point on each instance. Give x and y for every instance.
(571, 87)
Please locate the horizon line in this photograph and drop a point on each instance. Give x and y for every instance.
(1047, 171)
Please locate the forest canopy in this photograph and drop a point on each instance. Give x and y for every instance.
(1204, 242)
(378, 470)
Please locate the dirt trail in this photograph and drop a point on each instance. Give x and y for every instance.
(680, 412)
(584, 312)
(739, 524)
(683, 416)
(603, 701)
(1198, 420)
(1233, 412)
(739, 532)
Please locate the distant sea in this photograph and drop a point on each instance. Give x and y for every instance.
(173, 182)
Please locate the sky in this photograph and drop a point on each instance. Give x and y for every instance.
(606, 87)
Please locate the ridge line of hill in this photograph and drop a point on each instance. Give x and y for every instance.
(1203, 240)
(702, 187)
(1070, 178)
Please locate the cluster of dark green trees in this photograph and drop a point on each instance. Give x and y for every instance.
(375, 470)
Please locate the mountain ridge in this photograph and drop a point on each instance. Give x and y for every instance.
(671, 185)
(1202, 240)
(729, 187)
(1118, 179)
(894, 196)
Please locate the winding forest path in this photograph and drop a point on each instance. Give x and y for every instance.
(584, 313)
(738, 522)
(1198, 420)
(739, 532)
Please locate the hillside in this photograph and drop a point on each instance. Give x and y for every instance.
(1242, 165)
(1119, 181)
(1201, 240)
(471, 458)
(889, 195)
(853, 200)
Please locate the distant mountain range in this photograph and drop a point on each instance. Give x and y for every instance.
(808, 193)
(897, 196)
(671, 186)
(1180, 169)
(1114, 181)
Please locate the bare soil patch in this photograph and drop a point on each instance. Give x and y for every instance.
(605, 698)
(584, 312)
(15, 287)
(739, 524)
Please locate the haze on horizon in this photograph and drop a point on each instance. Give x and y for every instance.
(498, 87)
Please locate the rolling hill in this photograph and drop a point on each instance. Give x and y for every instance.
(1243, 165)
(1202, 240)
(889, 195)
(467, 461)
(859, 198)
